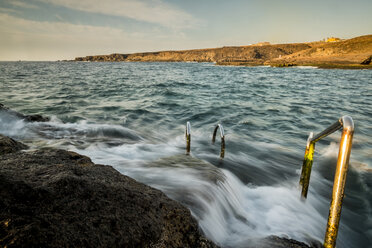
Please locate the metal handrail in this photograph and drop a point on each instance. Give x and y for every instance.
(347, 125)
(188, 138)
(222, 134)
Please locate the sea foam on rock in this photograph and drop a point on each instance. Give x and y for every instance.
(58, 198)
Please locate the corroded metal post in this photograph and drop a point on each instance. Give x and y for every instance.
(309, 152)
(339, 182)
(188, 138)
(347, 124)
(222, 133)
(306, 166)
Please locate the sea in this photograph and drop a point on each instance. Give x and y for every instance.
(133, 117)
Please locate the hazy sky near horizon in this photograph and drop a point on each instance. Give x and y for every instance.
(65, 29)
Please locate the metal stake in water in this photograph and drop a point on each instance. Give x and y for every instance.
(339, 182)
(222, 134)
(188, 138)
(347, 124)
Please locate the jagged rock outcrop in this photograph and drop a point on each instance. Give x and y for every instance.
(367, 61)
(29, 118)
(8, 145)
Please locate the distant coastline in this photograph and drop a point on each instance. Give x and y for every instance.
(355, 53)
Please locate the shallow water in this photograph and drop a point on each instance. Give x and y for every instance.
(133, 116)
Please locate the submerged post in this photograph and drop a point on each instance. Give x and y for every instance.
(339, 182)
(222, 134)
(188, 138)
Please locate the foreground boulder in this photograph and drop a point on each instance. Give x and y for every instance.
(57, 198)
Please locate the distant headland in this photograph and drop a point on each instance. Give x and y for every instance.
(355, 53)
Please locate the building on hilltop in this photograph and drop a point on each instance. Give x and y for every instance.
(333, 39)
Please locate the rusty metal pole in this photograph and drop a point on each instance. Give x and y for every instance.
(188, 138)
(307, 165)
(222, 134)
(339, 182)
(222, 153)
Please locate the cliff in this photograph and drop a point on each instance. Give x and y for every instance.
(248, 54)
(354, 52)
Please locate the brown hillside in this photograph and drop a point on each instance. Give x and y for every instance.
(354, 53)
(224, 54)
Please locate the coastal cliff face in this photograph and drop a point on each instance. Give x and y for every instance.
(249, 54)
(354, 51)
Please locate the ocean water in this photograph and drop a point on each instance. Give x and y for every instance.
(133, 116)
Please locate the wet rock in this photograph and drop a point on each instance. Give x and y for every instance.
(57, 198)
(279, 242)
(28, 118)
(8, 145)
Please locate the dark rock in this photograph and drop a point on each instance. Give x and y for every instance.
(279, 242)
(28, 118)
(9, 145)
(57, 198)
(367, 61)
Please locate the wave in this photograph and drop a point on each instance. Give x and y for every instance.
(55, 130)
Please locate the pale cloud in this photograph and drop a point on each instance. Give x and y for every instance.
(35, 40)
(23, 4)
(151, 11)
(22, 39)
(8, 10)
(16, 25)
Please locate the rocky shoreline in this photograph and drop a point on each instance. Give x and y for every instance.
(344, 54)
(57, 198)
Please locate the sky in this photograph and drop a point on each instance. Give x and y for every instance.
(41, 30)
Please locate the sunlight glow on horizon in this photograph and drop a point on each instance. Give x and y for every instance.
(65, 29)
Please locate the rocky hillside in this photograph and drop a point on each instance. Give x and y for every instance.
(352, 52)
(249, 54)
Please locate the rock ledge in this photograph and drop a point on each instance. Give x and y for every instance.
(57, 198)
